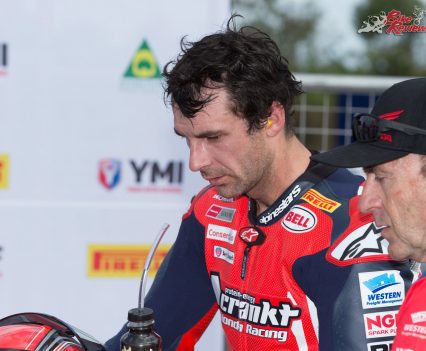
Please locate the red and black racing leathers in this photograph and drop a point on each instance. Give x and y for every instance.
(310, 273)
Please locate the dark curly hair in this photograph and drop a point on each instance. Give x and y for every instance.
(246, 62)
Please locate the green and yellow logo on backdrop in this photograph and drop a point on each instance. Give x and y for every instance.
(143, 64)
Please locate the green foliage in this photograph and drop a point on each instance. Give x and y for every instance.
(290, 26)
(293, 27)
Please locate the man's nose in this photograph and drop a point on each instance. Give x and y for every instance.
(370, 198)
(198, 155)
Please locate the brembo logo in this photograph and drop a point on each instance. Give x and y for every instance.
(282, 206)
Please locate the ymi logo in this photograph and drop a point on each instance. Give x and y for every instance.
(395, 22)
(142, 175)
(109, 172)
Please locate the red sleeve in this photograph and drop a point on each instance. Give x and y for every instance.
(411, 320)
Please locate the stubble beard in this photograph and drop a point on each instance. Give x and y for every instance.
(243, 185)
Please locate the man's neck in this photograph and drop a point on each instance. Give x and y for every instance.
(286, 168)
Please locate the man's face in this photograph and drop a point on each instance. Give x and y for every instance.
(395, 193)
(222, 150)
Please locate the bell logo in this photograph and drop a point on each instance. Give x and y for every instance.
(299, 220)
(143, 64)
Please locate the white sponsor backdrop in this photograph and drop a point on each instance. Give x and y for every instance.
(65, 105)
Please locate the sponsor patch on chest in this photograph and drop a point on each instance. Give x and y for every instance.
(224, 254)
(221, 213)
(381, 289)
(218, 232)
(299, 220)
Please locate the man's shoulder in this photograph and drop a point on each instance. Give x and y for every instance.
(344, 183)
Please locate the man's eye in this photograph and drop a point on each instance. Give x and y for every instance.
(213, 137)
(378, 178)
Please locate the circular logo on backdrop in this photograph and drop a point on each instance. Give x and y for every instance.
(299, 220)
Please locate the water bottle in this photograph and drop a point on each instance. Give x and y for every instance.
(141, 335)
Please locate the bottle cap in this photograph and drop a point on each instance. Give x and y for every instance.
(141, 315)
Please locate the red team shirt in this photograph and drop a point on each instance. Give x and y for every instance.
(411, 320)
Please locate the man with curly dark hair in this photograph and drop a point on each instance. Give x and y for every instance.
(275, 242)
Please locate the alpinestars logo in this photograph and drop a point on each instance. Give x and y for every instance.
(243, 308)
(363, 244)
(270, 215)
(369, 242)
(250, 235)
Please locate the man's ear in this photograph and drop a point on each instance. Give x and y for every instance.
(275, 123)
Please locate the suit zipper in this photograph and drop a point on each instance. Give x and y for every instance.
(245, 262)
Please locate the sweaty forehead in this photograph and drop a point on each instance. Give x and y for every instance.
(215, 116)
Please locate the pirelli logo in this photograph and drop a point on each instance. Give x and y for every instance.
(123, 261)
(320, 201)
(4, 171)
